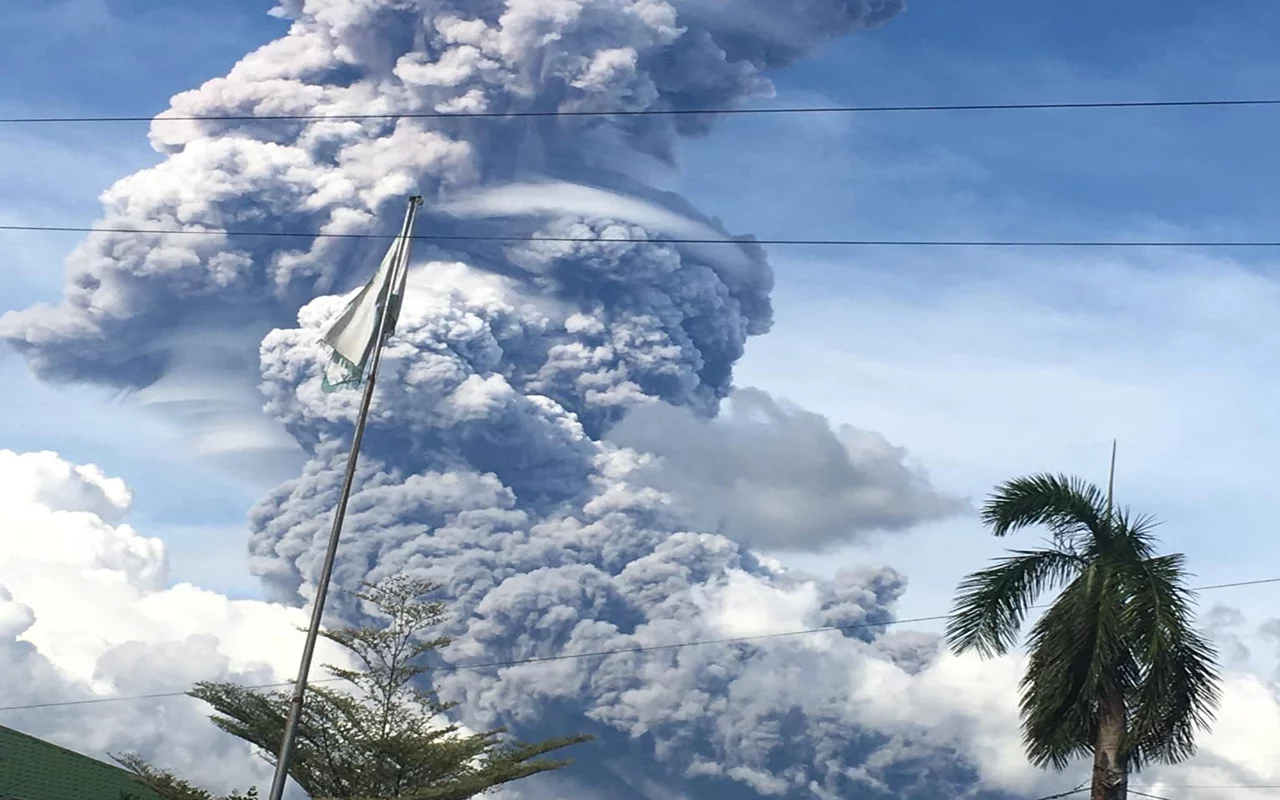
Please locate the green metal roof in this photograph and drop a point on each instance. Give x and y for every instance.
(32, 769)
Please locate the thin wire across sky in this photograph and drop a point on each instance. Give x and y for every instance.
(602, 653)
(728, 240)
(648, 112)
(657, 112)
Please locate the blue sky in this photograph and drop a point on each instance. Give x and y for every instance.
(983, 363)
(991, 363)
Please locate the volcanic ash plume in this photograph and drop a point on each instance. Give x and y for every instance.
(489, 464)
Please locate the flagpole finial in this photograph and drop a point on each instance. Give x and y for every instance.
(1111, 479)
(415, 200)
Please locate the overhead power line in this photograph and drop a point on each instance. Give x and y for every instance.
(1064, 243)
(1188, 787)
(597, 653)
(537, 659)
(1234, 585)
(656, 112)
(1200, 786)
(1082, 787)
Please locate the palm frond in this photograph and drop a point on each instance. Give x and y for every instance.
(1179, 688)
(1134, 537)
(992, 603)
(1076, 654)
(1071, 508)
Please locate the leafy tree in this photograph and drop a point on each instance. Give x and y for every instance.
(387, 739)
(166, 785)
(1116, 668)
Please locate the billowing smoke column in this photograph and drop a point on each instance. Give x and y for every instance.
(487, 464)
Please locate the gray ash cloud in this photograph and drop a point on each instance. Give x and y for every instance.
(489, 464)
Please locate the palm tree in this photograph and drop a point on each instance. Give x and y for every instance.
(1116, 669)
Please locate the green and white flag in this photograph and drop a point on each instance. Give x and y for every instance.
(353, 337)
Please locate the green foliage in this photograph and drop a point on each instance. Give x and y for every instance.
(1122, 626)
(168, 786)
(386, 738)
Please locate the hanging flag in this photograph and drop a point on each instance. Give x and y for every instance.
(352, 338)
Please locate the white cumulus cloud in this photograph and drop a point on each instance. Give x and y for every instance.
(86, 612)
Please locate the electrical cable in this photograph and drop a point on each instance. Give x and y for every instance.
(1047, 243)
(1082, 787)
(594, 654)
(656, 112)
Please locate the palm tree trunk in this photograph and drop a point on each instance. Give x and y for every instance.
(1110, 777)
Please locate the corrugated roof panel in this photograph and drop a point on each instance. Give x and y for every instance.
(33, 769)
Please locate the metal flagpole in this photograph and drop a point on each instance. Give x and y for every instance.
(326, 572)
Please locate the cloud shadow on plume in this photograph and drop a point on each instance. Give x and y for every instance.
(779, 478)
